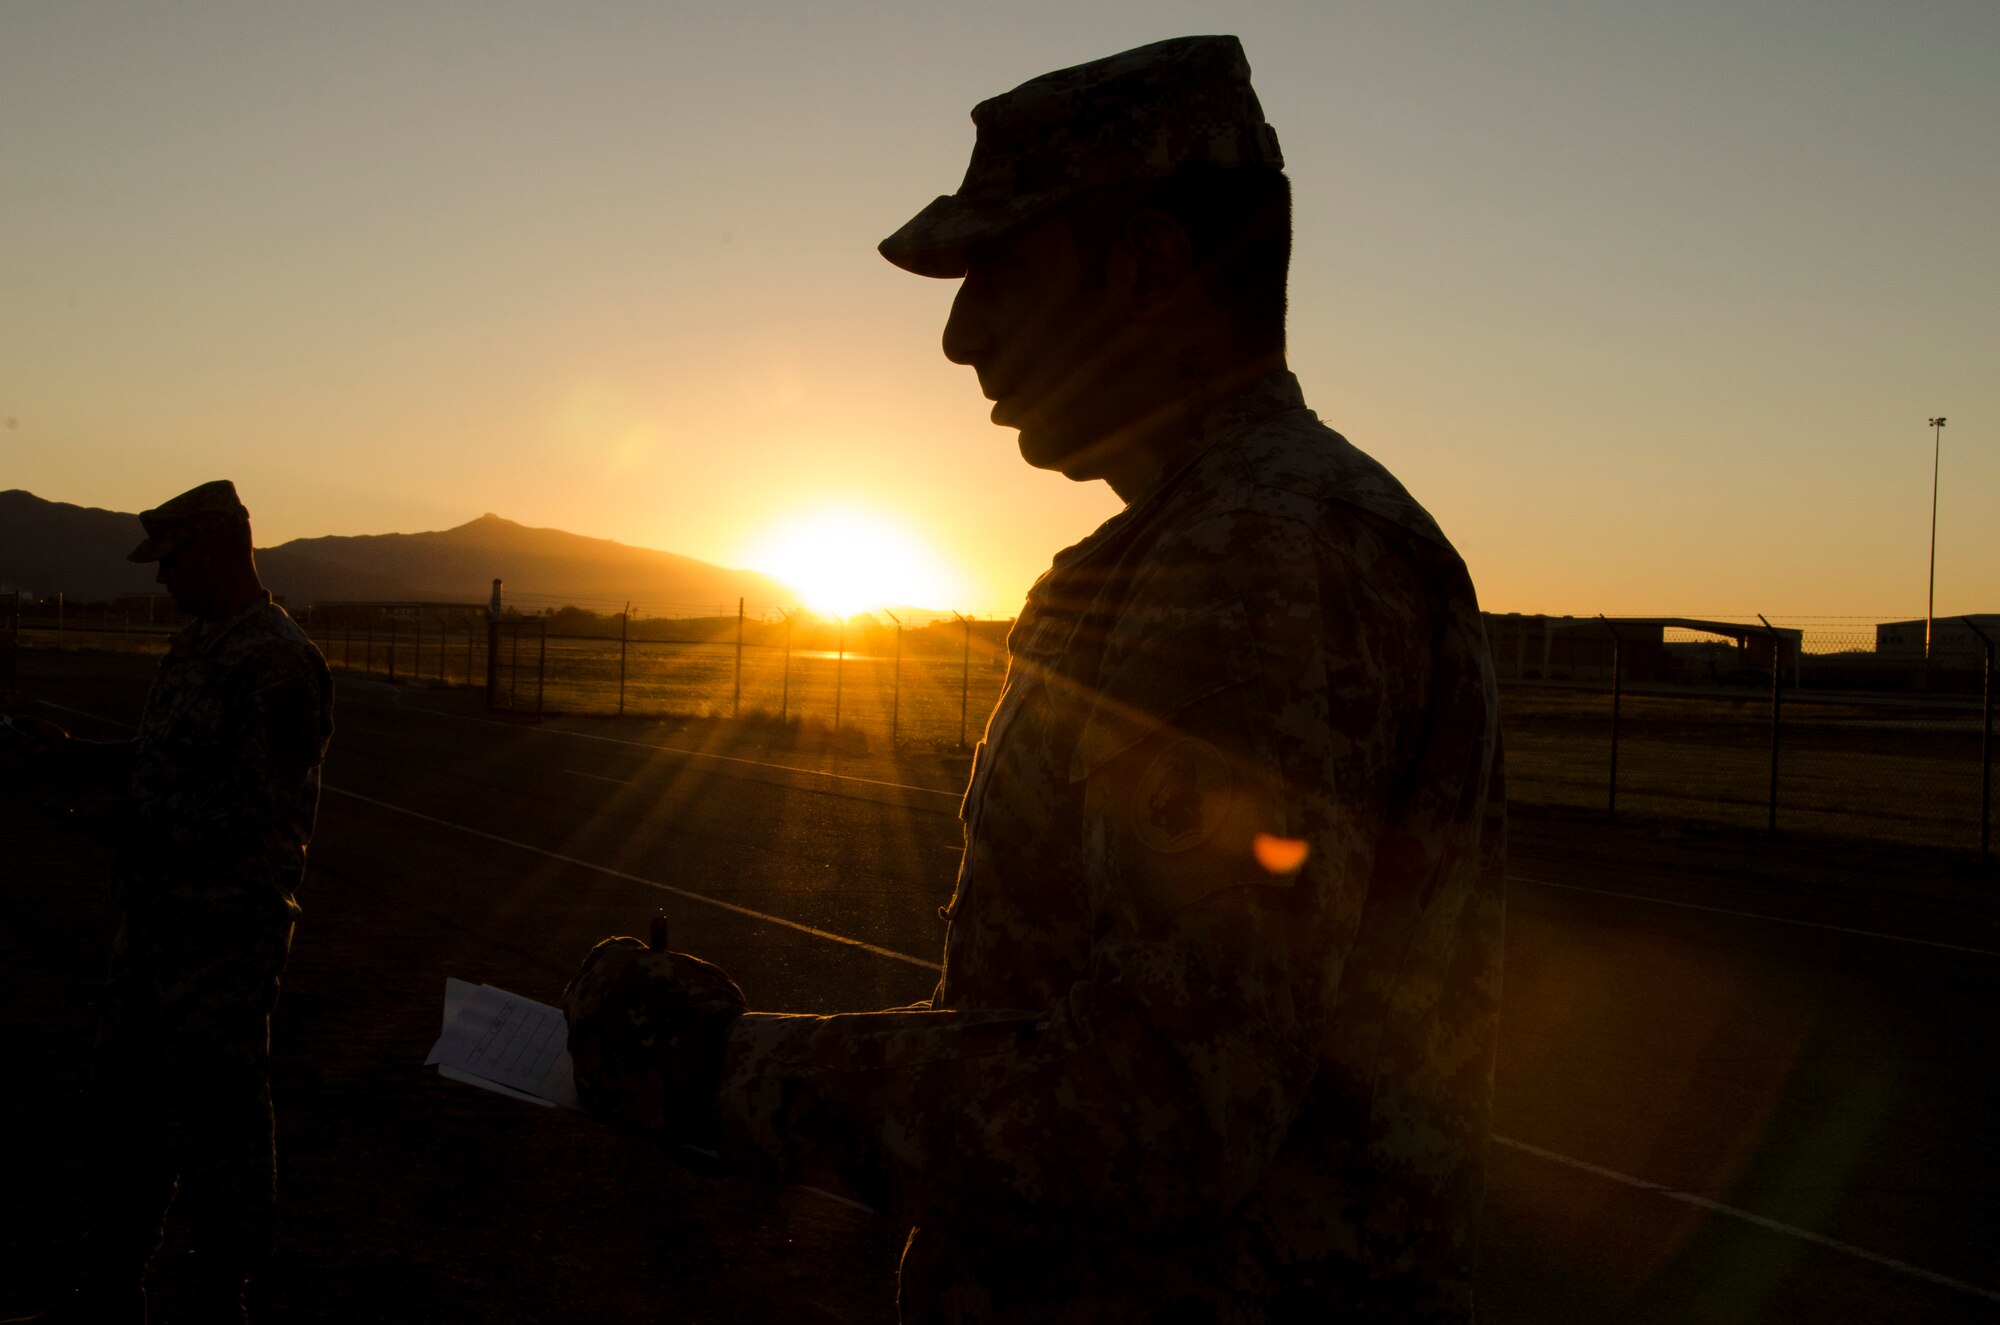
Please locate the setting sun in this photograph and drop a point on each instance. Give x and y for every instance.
(845, 560)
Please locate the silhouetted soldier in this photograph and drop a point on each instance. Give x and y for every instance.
(211, 807)
(1214, 1039)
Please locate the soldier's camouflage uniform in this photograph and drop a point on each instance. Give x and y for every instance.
(223, 779)
(1172, 1070)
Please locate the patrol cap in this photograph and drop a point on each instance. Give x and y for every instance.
(173, 525)
(1143, 114)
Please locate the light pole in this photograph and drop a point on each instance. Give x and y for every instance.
(1930, 598)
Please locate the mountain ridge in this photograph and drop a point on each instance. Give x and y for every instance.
(48, 547)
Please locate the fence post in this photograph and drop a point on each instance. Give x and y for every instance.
(1777, 689)
(417, 651)
(895, 679)
(10, 644)
(736, 696)
(492, 649)
(964, 677)
(392, 649)
(542, 661)
(624, 638)
(1617, 693)
(1985, 749)
(785, 691)
(839, 665)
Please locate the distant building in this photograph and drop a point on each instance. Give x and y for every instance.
(1546, 648)
(1953, 644)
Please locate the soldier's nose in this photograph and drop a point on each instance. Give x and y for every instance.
(965, 336)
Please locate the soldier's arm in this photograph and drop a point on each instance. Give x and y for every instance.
(106, 766)
(278, 724)
(1237, 842)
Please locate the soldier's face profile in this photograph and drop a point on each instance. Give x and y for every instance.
(188, 576)
(1028, 320)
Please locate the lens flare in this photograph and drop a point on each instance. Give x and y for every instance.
(1279, 855)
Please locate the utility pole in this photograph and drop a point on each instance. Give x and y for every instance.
(1930, 598)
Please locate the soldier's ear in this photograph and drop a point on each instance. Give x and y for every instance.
(1159, 260)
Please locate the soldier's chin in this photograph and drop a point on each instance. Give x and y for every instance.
(1042, 446)
(1052, 449)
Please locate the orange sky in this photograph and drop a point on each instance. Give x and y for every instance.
(1649, 304)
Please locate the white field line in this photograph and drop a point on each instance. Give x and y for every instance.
(1775, 1226)
(1554, 1157)
(955, 795)
(673, 749)
(1672, 1194)
(1755, 915)
(828, 935)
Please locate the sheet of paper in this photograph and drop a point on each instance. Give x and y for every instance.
(515, 1046)
(506, 1043)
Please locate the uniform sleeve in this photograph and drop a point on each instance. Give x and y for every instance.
(1231, 813)
(105, 765)
(277, 728)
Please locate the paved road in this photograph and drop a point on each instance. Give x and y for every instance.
(1719, 1099)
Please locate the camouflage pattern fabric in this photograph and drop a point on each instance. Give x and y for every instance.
(1176, 105)
(225, 768)
(224, 787)
(180, 1092)
(1214, 1039)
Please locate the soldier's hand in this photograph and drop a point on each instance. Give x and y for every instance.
(647, 1032)
(111, 821)
(21, 734)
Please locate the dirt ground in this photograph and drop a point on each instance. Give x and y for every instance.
(407, 1198)
(410, 1198)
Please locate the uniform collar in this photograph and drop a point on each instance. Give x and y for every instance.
(202, 636)
(1228, 418)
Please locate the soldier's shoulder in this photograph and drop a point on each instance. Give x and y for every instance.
(1287, 512)
(1294, 465)
(269, 641)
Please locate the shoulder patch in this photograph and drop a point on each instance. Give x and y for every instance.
(1182, 797)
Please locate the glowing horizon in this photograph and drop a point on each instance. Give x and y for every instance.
(848, 559)
(1649, 311)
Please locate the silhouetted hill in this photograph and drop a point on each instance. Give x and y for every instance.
(49, 547)
(46, 547)
(460, 564)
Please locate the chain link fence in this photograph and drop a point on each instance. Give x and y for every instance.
(441, 644)
(135, 623)
(1841, 728)
(907, 678)
(1832, 728)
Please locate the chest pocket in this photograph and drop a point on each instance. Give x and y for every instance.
(1035, 654)
(1153, 674)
